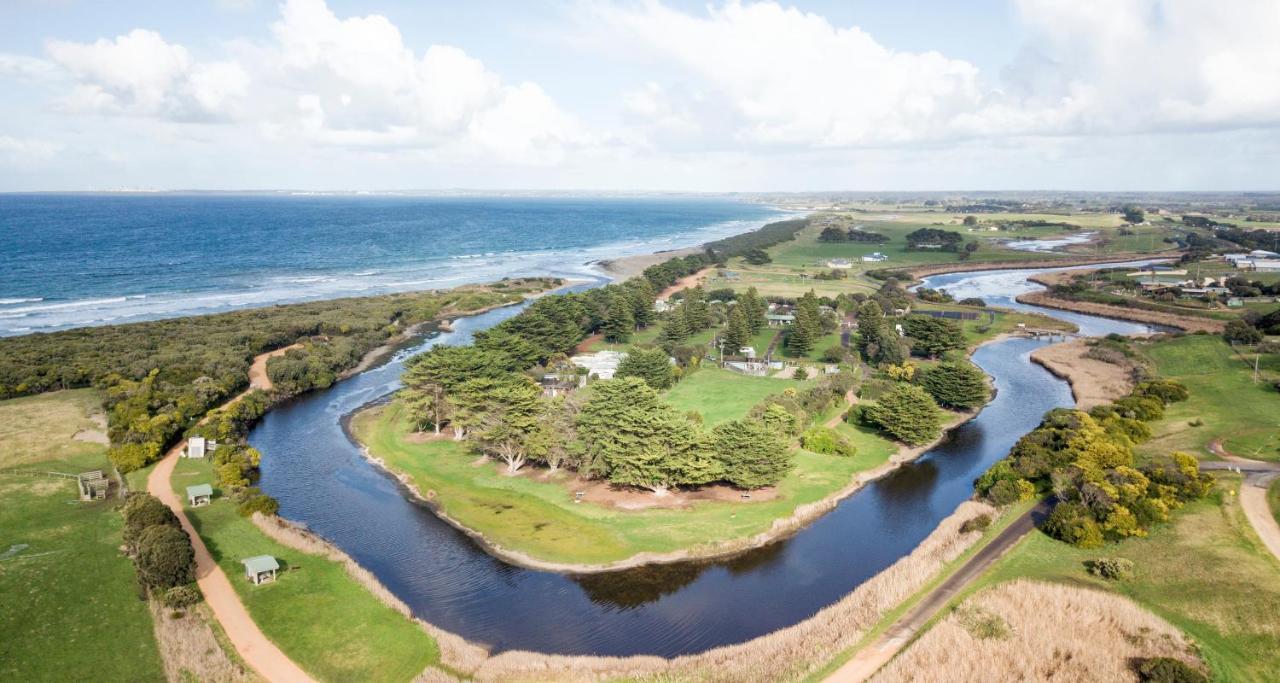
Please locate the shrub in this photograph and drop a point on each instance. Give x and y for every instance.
(833, 354)
(1072, 523)
(133, 456)
(256, 501)
(141, 512)
(801, 374)
(1169, 670)
(1113, 568)
(979, 523)
(180, 597)
(1009, 491)
(1167, 390)
(827, 442)
(165, 557)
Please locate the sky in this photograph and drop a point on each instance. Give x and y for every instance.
(640, 95)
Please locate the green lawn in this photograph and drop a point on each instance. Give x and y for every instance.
(1206, 573)
(1244, 415)
(721, 395)
(68, 601)
(316, 613)
(530, 514)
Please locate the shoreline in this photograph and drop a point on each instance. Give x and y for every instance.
(1093, 382)
(1135, 315)
(781, 527)
(918, 272)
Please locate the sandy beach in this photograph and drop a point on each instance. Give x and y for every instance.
(627, 267)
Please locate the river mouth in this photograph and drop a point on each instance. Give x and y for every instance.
(322, 480)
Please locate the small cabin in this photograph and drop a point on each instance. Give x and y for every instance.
(261, 569)
(780, 319)
(200, 494)
(196, 447)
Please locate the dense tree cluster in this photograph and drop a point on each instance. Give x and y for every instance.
(161, 550)
(934, 238)
(160, 377)
(1087, 461)
(878, 339)
(652, 365)
(807, 328)
(834, 234)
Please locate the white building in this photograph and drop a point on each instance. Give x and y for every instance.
(196, 447)
(875, 257)
(602, 364)
(840, 263)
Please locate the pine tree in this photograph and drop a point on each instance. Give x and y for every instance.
(958, 384)
(870, 322)
(754, 307)
(889, 347)
(696, 311)
(908, 413)
(737, 334)
(674, 331)
(619, 322)
(799, 340)
(753, 454)
(652, 365)
(642, 298)
(812, 318)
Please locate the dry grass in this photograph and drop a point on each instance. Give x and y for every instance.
(190, 649)
(786, 654)
(59, 425)
(1033, 631)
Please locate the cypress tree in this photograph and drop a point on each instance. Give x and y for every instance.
(619, 322)
(870, 322)
(737, 335)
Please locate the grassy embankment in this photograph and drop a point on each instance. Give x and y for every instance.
(68, 600)
(1206, 572)
(315, 612)
(537, 515)
(1243, 415)
(1273, 498)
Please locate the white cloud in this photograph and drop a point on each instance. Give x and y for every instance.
(18, 150)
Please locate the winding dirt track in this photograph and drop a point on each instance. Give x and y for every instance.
(254, 647)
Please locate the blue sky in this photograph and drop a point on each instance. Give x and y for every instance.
(639, 95)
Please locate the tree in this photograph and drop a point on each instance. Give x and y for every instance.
(833, 234)
(737, 334)
(800, 340)
(757, 257)
(970, 220)
(631, 436)
(142, 511)
(807, 328)
(933, 238)
(780, 420)
(753, 455)
(907, 413)
(652, 365)
(619, 322)
(754, 308)
(1241, 332)
(1134, 214)
(165, 558)
(870, 323)
(694, 308)
(888, 347)
(642, 298)
(956, 384)
(933, 336)
(674, 332)
(560, 417)
(503, 417)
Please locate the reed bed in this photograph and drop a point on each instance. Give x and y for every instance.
(190, 650)
(1032, 631)
(787, 654)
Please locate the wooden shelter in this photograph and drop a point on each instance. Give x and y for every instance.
(200, 494)
(261, 569)
(92, 485)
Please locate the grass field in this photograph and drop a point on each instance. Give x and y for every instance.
(722, 395)
(68, 600)
(1273, 498)
(1206, 573)
(322, 618)
(539, 517)
(1245, 416)
(41, 427)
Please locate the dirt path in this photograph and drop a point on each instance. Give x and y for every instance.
(686, 282)
(851, 399)
(258, 378)
(1253, 500)
(867, 661)
(254, 647)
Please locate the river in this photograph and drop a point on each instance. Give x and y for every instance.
(321, 479)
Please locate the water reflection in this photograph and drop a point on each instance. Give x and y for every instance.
(322, 480)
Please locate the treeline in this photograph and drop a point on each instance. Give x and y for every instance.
(834, 234)
(1087, 461)
(160, 377)
(162, 555)
(934, 238)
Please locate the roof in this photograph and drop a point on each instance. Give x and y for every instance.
(773, 316)
(199, 490)
(260, 563)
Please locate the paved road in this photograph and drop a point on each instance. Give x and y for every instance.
(869, 660)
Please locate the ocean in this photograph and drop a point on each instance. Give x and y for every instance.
(72, 260)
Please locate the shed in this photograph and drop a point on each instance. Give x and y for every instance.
(195, 447)
(261, 569)
(775, 319)
(198, 495)
(93, 485)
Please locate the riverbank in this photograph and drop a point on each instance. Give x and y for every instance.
(1093, 382)
(1182, 322)
(790, 653)
(919, 272)
(426, 476)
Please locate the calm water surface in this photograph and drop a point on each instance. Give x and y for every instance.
(322, 480)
